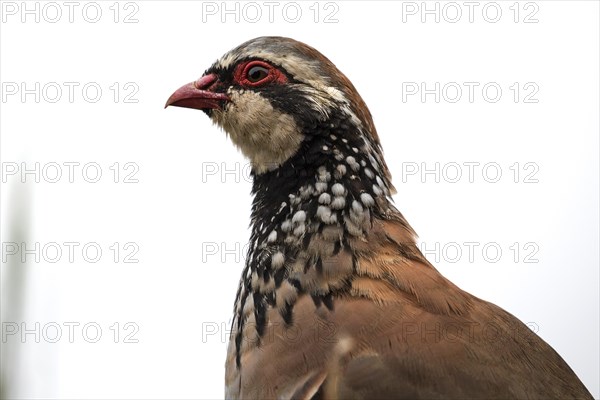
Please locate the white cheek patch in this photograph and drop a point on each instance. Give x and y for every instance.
(266, 136)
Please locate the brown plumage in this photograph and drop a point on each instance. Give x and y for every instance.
(336, 301)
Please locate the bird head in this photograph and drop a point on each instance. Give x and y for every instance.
(279, 100)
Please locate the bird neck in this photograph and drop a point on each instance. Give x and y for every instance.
(304, 215)
(330, 183)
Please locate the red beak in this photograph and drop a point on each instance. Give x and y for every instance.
(198, 95)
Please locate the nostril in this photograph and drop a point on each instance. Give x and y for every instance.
(205, 82)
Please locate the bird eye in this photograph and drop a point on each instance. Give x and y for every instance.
(257, 74)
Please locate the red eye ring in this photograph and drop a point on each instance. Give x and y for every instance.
(258, 73)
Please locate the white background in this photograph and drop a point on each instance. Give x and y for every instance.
(178, 215)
